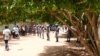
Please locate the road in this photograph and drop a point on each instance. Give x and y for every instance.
(29, 45)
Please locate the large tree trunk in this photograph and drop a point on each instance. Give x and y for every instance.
(93, 22)
(99, 26)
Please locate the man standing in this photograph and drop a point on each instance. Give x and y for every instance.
(57, 33)
(48, 32)
(6, 36)
(69, 35)
(23, 30)
(42, 30)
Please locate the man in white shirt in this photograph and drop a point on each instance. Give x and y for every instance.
(6, 36)
(16, 31)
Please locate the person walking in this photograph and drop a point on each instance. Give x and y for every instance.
(23, 30)
(48, 33)
(69, 35)
(16, 32)
(34, 29)
(57, 33)
(42, 30)
(6, 37)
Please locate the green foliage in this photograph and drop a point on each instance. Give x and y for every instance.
(45, 11)
(21, 10)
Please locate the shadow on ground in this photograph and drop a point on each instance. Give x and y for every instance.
(2, 44)
(64, 51)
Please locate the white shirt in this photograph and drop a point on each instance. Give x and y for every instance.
(6, 33)
(16, 30)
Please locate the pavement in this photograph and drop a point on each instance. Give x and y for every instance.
(30, 45)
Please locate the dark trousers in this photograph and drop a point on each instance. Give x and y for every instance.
(6, 44)
(68, 37)
(48, 37)
(13, 34)
(43, 35)
(57, 39)
(23, 33)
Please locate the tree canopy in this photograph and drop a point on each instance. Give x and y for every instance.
(77, 13)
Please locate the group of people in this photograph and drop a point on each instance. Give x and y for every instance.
(39, 30)
(23, 30)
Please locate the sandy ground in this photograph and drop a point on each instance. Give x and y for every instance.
(30, 45)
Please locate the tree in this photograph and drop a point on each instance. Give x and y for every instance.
(82, 14)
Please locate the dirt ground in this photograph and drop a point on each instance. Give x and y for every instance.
(73, 50)
(50, 48)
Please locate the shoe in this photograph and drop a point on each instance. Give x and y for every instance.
(7, 49)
